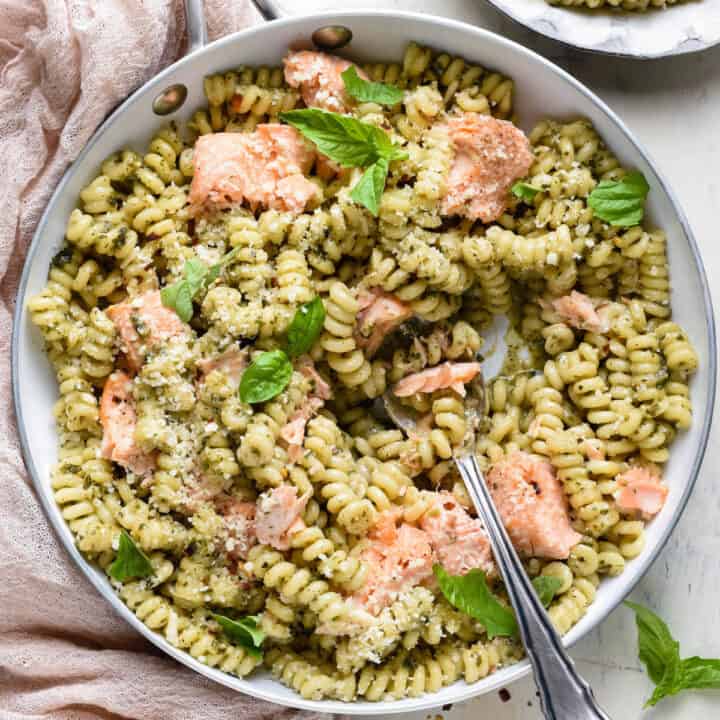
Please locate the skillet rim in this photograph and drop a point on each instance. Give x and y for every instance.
(427, 701)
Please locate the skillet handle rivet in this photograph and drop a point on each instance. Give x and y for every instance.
(170, 99)
(332, 37)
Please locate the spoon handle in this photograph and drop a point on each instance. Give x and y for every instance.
(564, 695)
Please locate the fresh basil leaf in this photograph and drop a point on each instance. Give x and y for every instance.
(669, 683)
(700, 673)
(243, 631)
(546, 586)
(180, 294)
(347, 141)
(369, 188)
(524, 191)
(660, 653)
(130, 561)
(195, 273)
(168, 294)
(470, 593)
(266, 377)
(184, 302)
(366, 91)
(656, 646)
(621, 203)
(305, 328)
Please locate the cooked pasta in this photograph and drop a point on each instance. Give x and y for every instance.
(631, 5)
(295, 505)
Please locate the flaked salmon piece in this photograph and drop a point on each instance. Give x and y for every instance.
(320, 388)
(490, 155)
(239, 520)
(448, 375)
(579, 311)
(142, 323)
(201, 488)
(119, 420)
(328, 169)
(232, 363)
(293, 432)
(533, 506)
(278, 515)
(641, 492)
(385, 529)
(397, 558)
(319, 77)
(459, 540)
(380, 313)
(265, 168)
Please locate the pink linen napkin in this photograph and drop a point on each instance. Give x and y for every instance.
(64, 64)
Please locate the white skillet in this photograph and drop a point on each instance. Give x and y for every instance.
(543, 90)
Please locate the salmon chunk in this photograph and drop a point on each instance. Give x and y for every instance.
(118, 419)
(320, 386)
(448, 375)
(239, 521)
(579, 311)
(490, 155)
(641, 492)
(380, 313)
(293, 432)
(265, 168)
(533, 506)
(319, 77)
(278, 515)
(232, 363)
(397, 558)
(142, 323)
(459, 540)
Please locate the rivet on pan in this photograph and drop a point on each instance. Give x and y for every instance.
(170, 99)
(332, 37)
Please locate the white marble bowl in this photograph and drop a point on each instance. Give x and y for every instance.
(685, 28)
(542, 90)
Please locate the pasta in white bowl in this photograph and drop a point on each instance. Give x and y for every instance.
(218, 345)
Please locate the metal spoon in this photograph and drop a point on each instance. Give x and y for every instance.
(564, 695)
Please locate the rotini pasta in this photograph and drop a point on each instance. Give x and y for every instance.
(300, 507)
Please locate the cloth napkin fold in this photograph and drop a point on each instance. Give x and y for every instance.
(64, 64)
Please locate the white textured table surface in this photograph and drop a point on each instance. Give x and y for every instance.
(673, 107)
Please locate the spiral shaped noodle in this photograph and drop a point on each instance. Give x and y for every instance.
(593, 402)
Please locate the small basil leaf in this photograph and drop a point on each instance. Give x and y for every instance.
(668, 685)
(130, 561)
(366, 91)
(305, 328)
(183, 302)
(243, 631)
(656, 646)
(180, 294)
(524, 191)
(471, 594)
(621, 203)
(347, 141)
(700, 673)
(546, 586)
(168, 295)
(369, 188)
(266, 377)
(194, 273)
